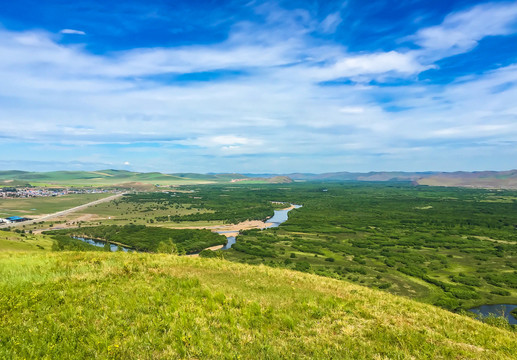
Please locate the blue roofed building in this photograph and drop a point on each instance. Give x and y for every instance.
(15, 219)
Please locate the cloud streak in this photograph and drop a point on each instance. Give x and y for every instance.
(72, 32)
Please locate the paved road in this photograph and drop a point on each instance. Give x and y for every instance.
(64, 212)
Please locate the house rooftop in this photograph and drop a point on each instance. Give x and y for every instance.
(14, 218)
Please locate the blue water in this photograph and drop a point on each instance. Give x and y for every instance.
(497, 310)
(231, 241)
(280, 217)
(98, 243)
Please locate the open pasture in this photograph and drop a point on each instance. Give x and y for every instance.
(154, 306)
(35, 206)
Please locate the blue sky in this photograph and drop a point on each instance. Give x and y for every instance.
(258, 86)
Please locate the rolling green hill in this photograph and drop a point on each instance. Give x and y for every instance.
(479, 179)
(111, 177)
(97, 178)
(151, 306)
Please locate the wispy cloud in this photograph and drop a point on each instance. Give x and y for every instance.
(331, 23)
(461, 31)
(72, 32)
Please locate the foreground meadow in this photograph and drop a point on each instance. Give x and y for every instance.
(155, 306)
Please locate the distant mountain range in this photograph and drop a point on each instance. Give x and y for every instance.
(475, 179)
(124, 178)
(349, 176)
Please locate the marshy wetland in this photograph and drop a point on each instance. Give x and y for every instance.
(451, 247)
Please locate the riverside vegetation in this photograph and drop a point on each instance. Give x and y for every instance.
(454, 248)
(141, 238)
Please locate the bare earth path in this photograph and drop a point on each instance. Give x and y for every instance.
(64, 212)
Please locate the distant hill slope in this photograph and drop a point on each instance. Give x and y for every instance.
(122, 178)
(350, 176)
(478, 179)
(279, 179)
(148, 306)
(111, 177)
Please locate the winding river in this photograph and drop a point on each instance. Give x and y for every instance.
(279, 217)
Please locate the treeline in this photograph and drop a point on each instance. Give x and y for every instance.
(149, 239)
(230, 204)
(229, 216)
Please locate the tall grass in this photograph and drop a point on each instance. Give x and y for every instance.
(152, 306)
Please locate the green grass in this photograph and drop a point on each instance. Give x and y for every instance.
(120, 213)
(45, 205)
(11, 241)
(122, 306)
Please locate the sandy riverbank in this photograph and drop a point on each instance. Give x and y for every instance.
(213, 248)
(235, 228)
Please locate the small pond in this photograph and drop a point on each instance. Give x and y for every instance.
(497, 310)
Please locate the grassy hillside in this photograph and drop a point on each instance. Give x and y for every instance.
(480, 179)
(121, 178)
(120, 306)
(95, 178)
(14, 241)
(111, 177)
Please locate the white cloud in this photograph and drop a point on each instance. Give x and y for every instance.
(352, 110)
(72, 32)
(461, 31)
(228, 141)
(331, 23)
(62, 94)
(374, 65)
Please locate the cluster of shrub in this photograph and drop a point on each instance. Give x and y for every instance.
(413, 231)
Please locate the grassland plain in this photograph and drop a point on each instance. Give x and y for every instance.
(455, 248)
(155, 306)
(122, 212)
(108, 177)
(45, 205)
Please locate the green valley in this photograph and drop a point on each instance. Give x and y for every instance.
(362, 263)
